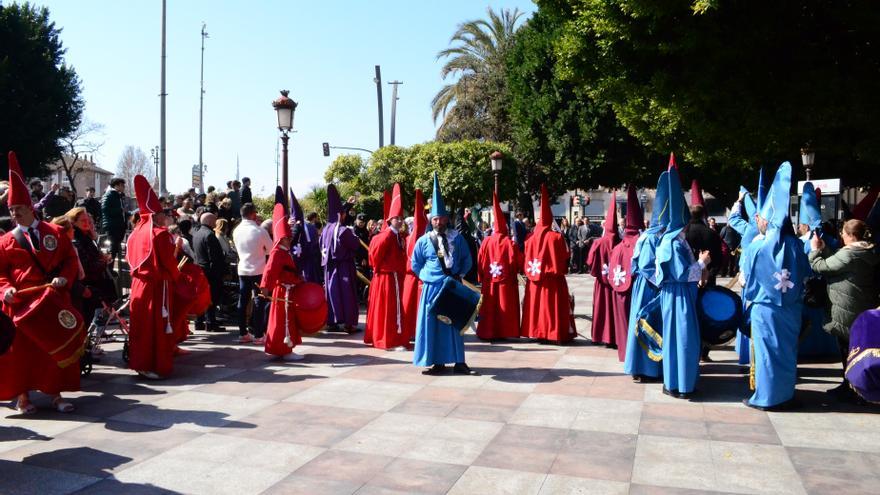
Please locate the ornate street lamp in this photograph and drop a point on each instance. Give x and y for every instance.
(497, 158)
(808, 157)
(285, 108)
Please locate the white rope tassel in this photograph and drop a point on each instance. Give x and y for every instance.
(165, 314)
(287, 340)
(397, 300)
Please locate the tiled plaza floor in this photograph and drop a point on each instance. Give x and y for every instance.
(540, 419)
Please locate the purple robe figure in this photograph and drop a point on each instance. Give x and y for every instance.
(863, 364)
(338, 247)
(306, 247)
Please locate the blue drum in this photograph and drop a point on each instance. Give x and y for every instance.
(720, 313)
(456, 304)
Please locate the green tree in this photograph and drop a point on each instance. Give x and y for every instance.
(345, 168)
(562, 136)
(733, 85)
(474, 106)
(40, 100)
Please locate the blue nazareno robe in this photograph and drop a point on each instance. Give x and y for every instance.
(638, 361)
(775, 267)
(678, 274)
(437, 342)
(817, 342)
(748, 231)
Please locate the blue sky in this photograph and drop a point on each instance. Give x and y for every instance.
(323, 52)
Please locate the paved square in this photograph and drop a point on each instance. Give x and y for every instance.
(541, 419)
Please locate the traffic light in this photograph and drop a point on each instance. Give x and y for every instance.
(577, 200)
(326, 149)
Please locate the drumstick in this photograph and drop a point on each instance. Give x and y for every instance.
(363, 278)
(364, 244)
(469, 285)
(275, 299)
(182, 262)
(32, 289)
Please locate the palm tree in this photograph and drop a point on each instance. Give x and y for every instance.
(471, 106)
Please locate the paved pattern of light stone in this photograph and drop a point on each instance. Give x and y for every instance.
(541, 419)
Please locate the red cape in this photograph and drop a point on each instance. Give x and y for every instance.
(603, 316)
(620, 278)
(498, 263)
(280, 276)
(384, 328)
(546, 305)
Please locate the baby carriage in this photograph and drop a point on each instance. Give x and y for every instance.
(108, 325)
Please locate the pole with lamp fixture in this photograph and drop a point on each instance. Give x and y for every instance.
(497, 159)
(808, 157)
(285, 109)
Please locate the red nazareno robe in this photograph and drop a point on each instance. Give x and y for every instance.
(412, 291)
(603, 311)
(546, 310)
(154, 270)
(498, 263)
(620, 278)
(384, 329)
(25, 366)
(281, 275)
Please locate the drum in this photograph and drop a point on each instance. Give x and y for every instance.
(54, 325)
(456, 304)
(720, 313)
(309, 307)
(649, 329)
(193, 290)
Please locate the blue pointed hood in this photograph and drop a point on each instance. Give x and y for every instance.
(748, 204)
(334, 204)
(660, 210)
(774, 208)
(438, 207)
(762, 190)
(809, 212)
(678, 216)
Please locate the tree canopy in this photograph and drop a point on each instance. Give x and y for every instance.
(40, 100)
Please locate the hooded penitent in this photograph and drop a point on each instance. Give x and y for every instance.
(280, 276)
(547, 312)
(644, 340)
(863, 364)
(809, 212)
(438, 207)
(599, 259)
(280, 225)
(338, 247)
(387, 256)
(620, 268)
(860, 211)
(18, 191)
(411, 283)
(386, 207)
(499, 261)
(774, 269)
(305, 246)
(140, 247)
(697, 194)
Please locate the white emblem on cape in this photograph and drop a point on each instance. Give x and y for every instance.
(495, 269)
(783, 282)
(534, 267)
(619, 275)
(297, 250)
(604, 269)
(50, 242)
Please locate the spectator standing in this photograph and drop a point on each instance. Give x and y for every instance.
(221, 230)
(520, 231)
(234, 196)
(56, 203)
(246, 196)
(37, 191)
(91, 204)
(253, 245)
(113, 215)
(209, 256)
(730, 239)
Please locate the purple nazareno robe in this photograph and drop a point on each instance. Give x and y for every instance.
(863, 365)
(306, 250)
(338, 246)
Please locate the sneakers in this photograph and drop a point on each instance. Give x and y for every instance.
(260, 341)
(246, 339)
(150, 375)
(292, 356)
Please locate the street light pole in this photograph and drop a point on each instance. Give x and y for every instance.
(394, 107)
(497, 158)
(808, 157)
(284, 108)
(201, 112)
(163, 181)
(378, 81)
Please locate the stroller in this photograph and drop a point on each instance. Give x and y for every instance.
(100, 331)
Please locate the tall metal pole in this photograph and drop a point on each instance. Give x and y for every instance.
(284, 162)
(378, 81)
(163, 183)
(202, 111)
(394, 107)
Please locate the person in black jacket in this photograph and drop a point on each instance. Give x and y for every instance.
(246, 196)
(464, 229)
(113, 216)
(209, 256)
(701, 238)
(91, 204)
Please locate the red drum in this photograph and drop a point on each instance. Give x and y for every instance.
(310, 307)
(192, 289)
(54, 325)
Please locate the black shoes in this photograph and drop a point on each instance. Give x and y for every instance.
(463, 369)
(437, 369)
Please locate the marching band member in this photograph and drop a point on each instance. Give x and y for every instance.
(602, 331)
(384, 328)
(499, 260)
(412, 286)
(279, 279)
(150, 254)
(36, 254)
(546, 313)
(306, 247)
(620, 273)
(438, 255)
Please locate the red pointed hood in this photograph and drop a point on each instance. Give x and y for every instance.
(500, 221)
(420, 220)
(280, 226)
(861, 210)
(148, 201)
(395, 209)
(697, 193)
(18, 189)
(672, 164)
(546, 214)
(634, 220)
(610, 224)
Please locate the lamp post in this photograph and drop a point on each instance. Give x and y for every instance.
(154, 152)
(497, 158)
(808, 157)
(285, 108)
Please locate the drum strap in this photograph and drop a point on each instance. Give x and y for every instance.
(19, 238)
(435, 241)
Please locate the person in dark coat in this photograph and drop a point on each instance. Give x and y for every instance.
(731, 238)
(113, 215)
(210, 256)
(91, 204)
(246, 195)
(701, 238)
(463, 228)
